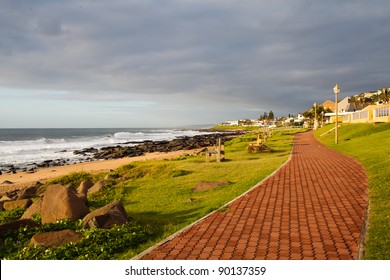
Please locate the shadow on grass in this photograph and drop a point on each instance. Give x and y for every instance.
(164, 224)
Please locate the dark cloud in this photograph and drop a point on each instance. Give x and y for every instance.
(256, 55)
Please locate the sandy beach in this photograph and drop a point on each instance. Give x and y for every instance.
(23, 179)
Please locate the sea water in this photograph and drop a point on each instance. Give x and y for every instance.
(27, 146)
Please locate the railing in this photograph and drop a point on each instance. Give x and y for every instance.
(382, 112)
(360, 115)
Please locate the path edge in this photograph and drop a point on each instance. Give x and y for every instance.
(172, 236)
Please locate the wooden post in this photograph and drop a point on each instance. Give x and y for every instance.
(207, 156)
(219, 150)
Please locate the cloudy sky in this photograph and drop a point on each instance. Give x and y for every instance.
(165, 63)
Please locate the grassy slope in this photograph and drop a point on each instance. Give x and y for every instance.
(370, 145)
(160, 197)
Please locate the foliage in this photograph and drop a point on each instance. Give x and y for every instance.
(73, 178)
(96, 244)
(318, 110)
(267, 116)
(108, 194)
(11, 215)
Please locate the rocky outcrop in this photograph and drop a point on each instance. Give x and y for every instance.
(137, 149)
(61, 203)
(55, 238)
(35, 208)
(29, 192)
(183, 143)
(22, 203)
(98, 186)
(84, 187)
(106, 216)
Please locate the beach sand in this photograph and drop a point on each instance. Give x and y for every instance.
(23, 179)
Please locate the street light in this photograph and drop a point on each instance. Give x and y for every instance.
(315, 116)
(336, 91)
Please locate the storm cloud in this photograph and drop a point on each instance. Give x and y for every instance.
(185, 61)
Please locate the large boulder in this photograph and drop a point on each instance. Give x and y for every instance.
(106, 216)
(29, 192)
(84, 187)
(61, 203)
(35, 208)
(22, 203)
(98, 186)
(15, 225)
(55, 238)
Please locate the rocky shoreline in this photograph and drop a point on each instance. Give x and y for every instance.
(129, 149)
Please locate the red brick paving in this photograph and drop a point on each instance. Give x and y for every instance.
(311, 208)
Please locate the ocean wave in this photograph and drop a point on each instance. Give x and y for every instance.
(43, 148)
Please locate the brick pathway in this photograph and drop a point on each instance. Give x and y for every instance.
(311, 208)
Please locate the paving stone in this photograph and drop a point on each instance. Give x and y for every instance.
(311, 208)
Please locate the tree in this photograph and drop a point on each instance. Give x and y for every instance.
(264, 117)
(271, 115)
(385, 95)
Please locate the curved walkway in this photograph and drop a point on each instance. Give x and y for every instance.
(311, 208)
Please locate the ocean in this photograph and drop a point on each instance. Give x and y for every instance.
(21, 147)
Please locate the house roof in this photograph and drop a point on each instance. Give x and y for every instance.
(329, 104)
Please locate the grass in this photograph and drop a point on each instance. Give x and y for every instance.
(158, 196)
(370, 145)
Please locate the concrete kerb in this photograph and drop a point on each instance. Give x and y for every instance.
(169, 238)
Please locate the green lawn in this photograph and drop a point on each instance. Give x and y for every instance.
(159, 199)
(370, 145)
(159, 194)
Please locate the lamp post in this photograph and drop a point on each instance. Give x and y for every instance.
(315, 116)
(336, 91)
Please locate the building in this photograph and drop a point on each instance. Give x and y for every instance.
(370, 114)
(329, 105)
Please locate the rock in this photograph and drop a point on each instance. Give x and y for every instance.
(15, 225)
(110, 177)
(6, 182)
(12, 195)
(35, 208)
(71, 187)
(258, 149)
(55, 238)
(84, 187)
(29, 192)
(5, 198)
(204, 185)
(22, 203)
(98, 186)
(106, 217)
(61, 203)
(82, 197)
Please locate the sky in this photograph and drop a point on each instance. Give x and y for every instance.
(169, 63)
